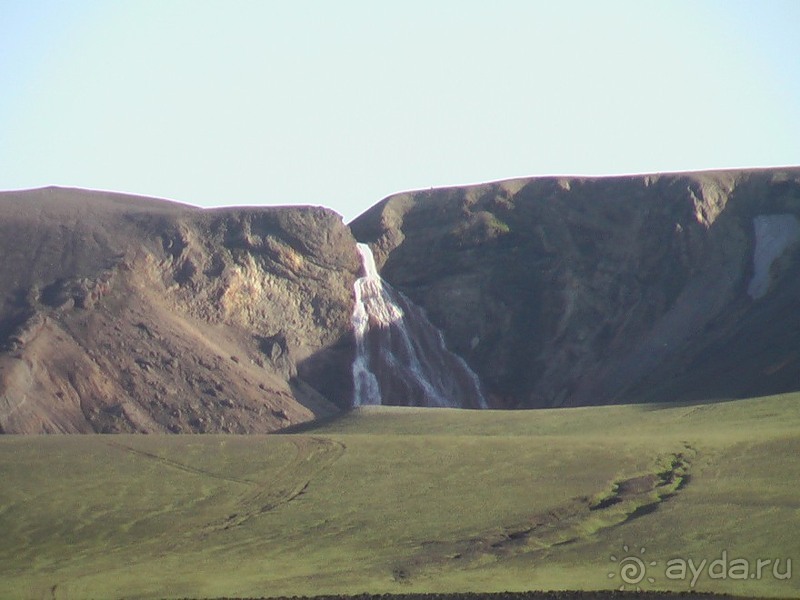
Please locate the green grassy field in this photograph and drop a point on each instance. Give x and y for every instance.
(410, 500)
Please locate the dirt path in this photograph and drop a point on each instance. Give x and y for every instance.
(312, 456)
(174, 464)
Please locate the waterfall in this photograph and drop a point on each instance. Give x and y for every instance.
(401, 358)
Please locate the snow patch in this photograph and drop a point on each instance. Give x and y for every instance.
(773, 235)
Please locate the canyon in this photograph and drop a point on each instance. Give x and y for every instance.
(128, 314)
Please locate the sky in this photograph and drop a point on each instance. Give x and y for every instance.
(341, 103)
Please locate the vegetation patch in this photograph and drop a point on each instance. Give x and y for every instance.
(406, 501)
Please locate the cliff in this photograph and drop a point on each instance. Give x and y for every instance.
(125, 314)
(566, 291)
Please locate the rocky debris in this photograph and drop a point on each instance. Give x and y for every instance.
(124, 314)
(78, 292)
(569, 291)
(28, 327)
(275, 349)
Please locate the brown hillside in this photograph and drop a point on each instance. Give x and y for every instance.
(120, 313)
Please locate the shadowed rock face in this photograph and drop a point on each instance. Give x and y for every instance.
(401, 358)
(127, 314)
(570, 291)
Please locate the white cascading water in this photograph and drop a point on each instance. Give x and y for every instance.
(401, 358)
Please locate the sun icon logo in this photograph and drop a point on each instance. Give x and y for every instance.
(632, 568)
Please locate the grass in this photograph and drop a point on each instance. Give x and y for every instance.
(407, 500)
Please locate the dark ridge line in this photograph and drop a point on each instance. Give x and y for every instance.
(168, 462)
(537, 595)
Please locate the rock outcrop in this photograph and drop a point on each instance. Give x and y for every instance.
(124, 314)
(575, 291)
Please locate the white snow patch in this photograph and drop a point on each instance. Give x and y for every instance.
(774, 234)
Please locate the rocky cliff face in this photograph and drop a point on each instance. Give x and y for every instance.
(120, 313)
(126, 314)
(570, 291)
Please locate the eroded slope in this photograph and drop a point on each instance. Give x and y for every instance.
(127, 314)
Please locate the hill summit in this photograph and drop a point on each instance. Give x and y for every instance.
(124, 314)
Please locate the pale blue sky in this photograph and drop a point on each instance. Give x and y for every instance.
(341, 103)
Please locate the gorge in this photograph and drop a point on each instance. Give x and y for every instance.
(127, 314)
